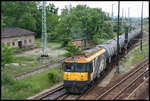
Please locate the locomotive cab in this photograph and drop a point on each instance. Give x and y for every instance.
(76, 76)
(80, 70)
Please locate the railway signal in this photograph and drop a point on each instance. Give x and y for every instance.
(122, 19)
(112, 17)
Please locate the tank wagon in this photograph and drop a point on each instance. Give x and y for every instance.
(82, 69)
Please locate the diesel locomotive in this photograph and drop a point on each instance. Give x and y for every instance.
(82, 69)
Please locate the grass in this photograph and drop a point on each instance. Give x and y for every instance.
(27, 63)
(134, 57)
(31, 85)
(53, 45)
(146, 27)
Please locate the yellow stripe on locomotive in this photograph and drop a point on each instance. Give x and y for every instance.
(76, 76)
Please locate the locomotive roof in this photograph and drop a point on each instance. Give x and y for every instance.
(86, 55)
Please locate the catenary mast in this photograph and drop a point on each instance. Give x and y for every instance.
(44, 31)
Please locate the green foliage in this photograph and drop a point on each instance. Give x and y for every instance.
(31, 85)
(20, 86)
(72, 49)
(27, 21)
(7, 78)
(96, 39)
(73, 23)
(15, 10)
(82, 21)
(28, 15)
(7, 55)
(134, 57)
(53, 77)
(2, 22)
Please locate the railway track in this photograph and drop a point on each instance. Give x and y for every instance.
(127, 84)
(52, 94)
(58, 93)
(50, 65)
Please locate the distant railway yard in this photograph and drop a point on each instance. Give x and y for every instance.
(83, 53)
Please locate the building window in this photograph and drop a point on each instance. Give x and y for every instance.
(25, 41)
(30, 40)
(13, 43)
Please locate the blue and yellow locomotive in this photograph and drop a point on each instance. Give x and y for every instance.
(81, 69)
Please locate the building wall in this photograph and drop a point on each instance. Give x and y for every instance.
(78, 43)
(15, 40)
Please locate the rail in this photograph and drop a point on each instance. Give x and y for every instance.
(140, 67)
(37, 69)
(47, 93)
(146, 71)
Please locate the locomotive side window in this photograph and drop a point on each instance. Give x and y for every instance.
(68, 67)
(90, 67)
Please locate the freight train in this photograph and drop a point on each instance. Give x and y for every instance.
(82, 69)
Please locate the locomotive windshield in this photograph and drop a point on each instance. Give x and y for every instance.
(76, 67)
(81, 67)
(68, 67)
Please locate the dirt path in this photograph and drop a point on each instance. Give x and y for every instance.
(38, 51)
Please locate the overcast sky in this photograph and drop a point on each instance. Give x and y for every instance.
(135, 6)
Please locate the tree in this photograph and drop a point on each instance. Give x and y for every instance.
(82, 21)
(7, 55)
(72, 49)
(16, 9)
(2, 22)
(27, 21)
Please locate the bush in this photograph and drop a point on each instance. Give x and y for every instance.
(53, 77)
(96, 39)
(7, 79)
(18, 85)
(7, 55)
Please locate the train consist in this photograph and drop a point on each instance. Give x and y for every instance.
(82, 69)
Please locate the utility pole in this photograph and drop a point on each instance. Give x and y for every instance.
(122, 19)
(128, 15)
(112, 17)
(118, 68)
(86, 33)
(141, 27)
(44, 31)
(125, 17)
